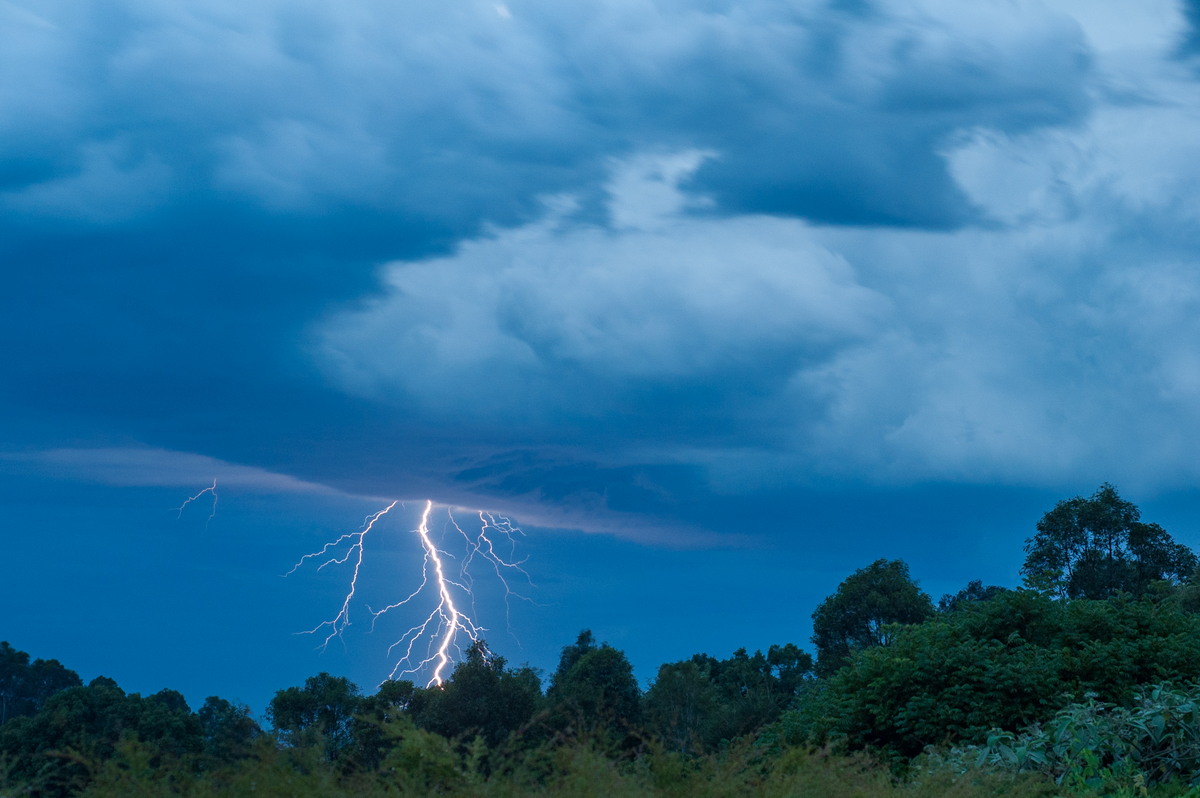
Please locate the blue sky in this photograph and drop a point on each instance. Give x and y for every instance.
(720, 301)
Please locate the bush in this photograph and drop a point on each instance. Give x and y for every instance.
(1099, 745)
(1002, 663)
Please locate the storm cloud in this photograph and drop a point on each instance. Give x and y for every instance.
(605, 257)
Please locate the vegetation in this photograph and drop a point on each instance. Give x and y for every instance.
(1084, 681)
(25, 685)
(864, 612)
(1099, 547)
(1002, 663)
(1155, 740)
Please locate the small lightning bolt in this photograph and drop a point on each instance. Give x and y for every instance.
(340, 621)
(485, 546)
(432, 643)
(212, 514)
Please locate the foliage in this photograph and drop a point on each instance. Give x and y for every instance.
(228, 730)
(864, 610)
(974, 591)
(79, 723)
(25, 685)
(482, 696)
(576, 768)
(1098, 547)
(1001, 663)
(421, 762)
(594, 687)
(1100, 745)
(325, 707)
(700, 703)
(682, 706)
(372, 739)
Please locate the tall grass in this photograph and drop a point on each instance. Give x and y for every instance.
(581, 769)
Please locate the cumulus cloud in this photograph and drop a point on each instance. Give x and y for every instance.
(184, 187)
(658, 317)
(1052, 342)
(762, 242)
(451, 115)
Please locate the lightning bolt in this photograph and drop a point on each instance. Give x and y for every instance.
(212, 514)
(433, 643)
(337, 625)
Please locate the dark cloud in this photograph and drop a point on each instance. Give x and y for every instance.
(435, 120)
(374, 245)
(1190, 45)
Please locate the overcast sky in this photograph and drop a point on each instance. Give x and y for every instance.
(719, 301)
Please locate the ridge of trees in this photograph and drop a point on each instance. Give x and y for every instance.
(1107, 610)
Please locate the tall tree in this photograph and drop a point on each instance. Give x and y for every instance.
(594, 685)
(701, 703)
(482, 696)
(1098, 546)
(326, 706)
(857, 616)
(974, 591)
(681, 705)
(91, 721)
(1001, 663)
(25, 685)
(229, 731)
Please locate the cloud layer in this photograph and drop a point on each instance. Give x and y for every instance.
(606, 257)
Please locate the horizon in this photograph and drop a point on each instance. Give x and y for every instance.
(718, 301)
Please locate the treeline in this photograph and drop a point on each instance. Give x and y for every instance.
(1082, 680)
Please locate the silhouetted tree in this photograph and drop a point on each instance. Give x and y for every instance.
(482, 696)
(857, 616)
(682, 704)
(594, 686)
(325, 706)
(25, 685)
(1001, 663)
(228, 730)
(90, 722)
(974, 591)
(1098, 546)
(700, 703)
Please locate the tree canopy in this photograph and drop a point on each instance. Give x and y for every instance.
(702, 703)
(857, 616)
(25, 685)
(1098, 546)
(1003, 662)
(483, 696)
(325, 706)
(594, 686)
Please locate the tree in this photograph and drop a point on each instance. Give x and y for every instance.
(482, 696)
(974, 591)
(1098, 546)
(700, 703)
(91, 722)
(681, 704)
(25, 686)
(594, 685)
(229, 731)
(380, 720)
(326, 706)
(858, 615)
(1003, 663)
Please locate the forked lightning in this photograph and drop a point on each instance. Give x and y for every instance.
(434, 642)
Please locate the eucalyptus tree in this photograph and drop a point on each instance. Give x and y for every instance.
(863, 610)
(1098, 546)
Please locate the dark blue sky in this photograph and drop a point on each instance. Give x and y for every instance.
(720, 301)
